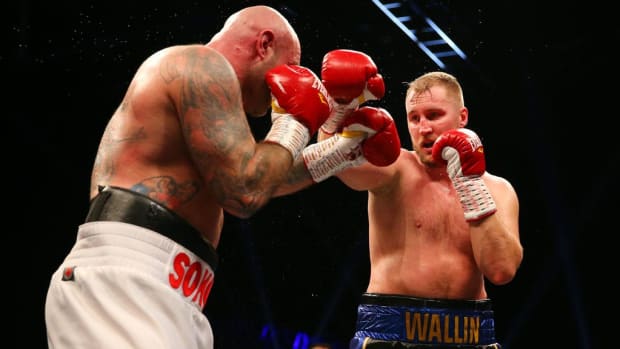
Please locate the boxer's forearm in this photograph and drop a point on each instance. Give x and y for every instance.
(496, 246)
(297, 179)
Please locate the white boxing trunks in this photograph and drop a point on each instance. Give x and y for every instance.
(124, 286)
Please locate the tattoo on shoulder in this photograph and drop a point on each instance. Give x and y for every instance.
(169, 69)
(210, 100)
(209, 84)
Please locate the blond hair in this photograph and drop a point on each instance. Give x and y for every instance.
(426, 81)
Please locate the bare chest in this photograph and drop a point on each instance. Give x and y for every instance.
(434, 213)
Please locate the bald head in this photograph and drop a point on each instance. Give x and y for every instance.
(246, 25)
(255, 40)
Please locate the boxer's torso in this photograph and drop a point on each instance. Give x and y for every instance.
(143, 148)
(419, 240)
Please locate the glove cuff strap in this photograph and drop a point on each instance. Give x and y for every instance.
(289, 133)
(328, 157)
(475, 197)
(338, 113)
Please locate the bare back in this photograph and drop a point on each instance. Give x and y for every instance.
(144, 147)
(419, 240)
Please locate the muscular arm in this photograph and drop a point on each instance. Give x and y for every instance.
(355, 174)
(495, 239)
(298, 178)
(365, 176)
(241, 173)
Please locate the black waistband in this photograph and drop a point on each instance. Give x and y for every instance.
(123, 205)
(407, 301)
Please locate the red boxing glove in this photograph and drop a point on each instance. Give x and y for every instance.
(382, 145)
(351, 78)
(346, 75)
(462, 151)
(299, 106)
(369, 135)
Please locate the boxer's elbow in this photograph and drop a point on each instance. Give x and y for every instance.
(504, 270)
(244, 206)
(240, 196)
(500, 276)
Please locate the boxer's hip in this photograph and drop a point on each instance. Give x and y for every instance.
(117, 247)
(123, 205)
(125, 286)
(420, 322)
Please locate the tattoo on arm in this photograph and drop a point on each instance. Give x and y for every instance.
(217, 133)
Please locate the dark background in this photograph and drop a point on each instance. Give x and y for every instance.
(540, 83)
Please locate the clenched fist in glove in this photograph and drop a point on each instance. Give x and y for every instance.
(462, 151)
(351, 78)
(299, 106)
(368, 134)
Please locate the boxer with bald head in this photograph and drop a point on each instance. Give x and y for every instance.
(176, 154)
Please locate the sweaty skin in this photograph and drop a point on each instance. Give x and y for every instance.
(420, 243)
(135, 277)
(181, 134)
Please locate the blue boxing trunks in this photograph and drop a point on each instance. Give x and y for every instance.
(395, 321)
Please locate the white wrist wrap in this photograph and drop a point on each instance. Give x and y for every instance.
(289, 133)
(328, 157)
(475, 198)
(338, 114)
